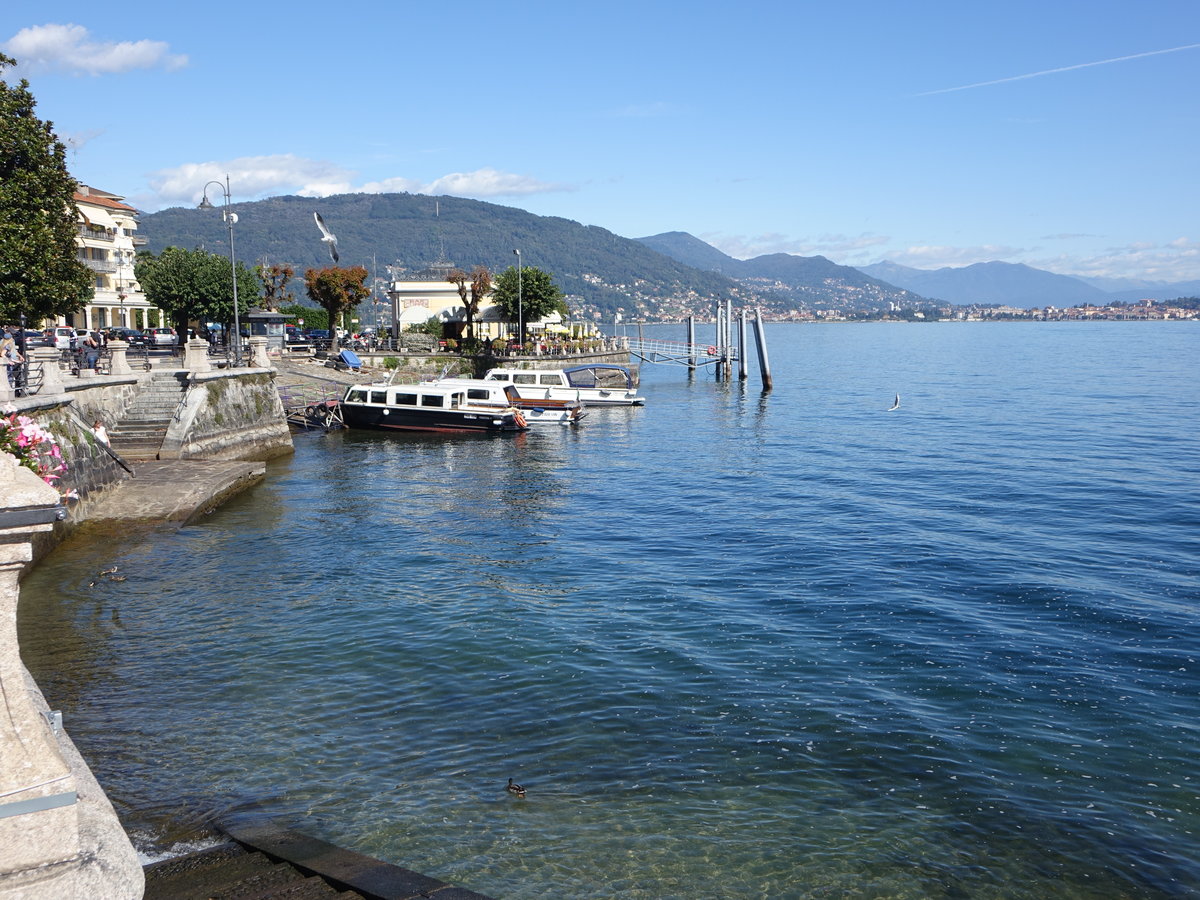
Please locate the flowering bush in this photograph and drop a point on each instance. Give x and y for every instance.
(34, 447)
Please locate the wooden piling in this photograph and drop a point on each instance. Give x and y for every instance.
(764, 365)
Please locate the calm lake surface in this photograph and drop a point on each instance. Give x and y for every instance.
(733, 644)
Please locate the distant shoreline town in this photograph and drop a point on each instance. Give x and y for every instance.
(1143, 311)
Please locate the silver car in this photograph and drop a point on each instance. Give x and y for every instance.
(161, 337)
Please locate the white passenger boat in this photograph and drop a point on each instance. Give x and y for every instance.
(592, 385)
(425, 407)
(503, 395)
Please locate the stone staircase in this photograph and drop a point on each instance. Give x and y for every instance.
(140, 432)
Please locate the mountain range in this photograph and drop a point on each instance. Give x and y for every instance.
(1019, 285)
(668, 275)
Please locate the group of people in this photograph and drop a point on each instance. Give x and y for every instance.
(89, 348)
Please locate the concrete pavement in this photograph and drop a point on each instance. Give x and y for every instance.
(174, 490)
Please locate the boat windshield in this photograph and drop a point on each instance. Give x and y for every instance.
(607, 377)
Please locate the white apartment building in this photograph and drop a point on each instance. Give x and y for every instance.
(107, 244)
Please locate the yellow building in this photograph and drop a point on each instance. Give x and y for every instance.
(107, 244)
(428, 293)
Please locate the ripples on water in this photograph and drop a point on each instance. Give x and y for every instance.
(733, 645)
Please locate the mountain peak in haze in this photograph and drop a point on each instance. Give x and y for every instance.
(990, 283)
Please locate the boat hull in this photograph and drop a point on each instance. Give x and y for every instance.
(385, 418)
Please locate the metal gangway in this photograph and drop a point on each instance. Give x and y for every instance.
(722, 354)
(679, 353)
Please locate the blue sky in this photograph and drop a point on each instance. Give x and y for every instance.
(1059, 134)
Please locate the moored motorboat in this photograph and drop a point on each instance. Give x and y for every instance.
(501, 395)
(425, 407)
(598, 384)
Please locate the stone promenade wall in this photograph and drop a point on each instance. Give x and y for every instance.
(229, 414)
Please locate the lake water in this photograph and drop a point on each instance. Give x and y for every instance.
(733, 644)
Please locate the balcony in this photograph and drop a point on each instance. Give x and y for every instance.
(100, 265)
(140, 240)
(91, 234)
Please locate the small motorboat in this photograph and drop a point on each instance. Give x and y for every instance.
(599, 384)
(500, 395)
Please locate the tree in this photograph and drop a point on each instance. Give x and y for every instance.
(539, 296)
(481, 285)
(274, 280)
(336, 290)
(313, 316)
(40, 275)
(193, 284)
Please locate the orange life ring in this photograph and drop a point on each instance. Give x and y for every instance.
(518, 418)
(712, 351)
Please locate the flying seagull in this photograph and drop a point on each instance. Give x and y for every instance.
(895, 405)
(327, 236)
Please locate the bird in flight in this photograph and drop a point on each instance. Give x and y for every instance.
(327, 236)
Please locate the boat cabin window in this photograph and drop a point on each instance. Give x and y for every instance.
(356, 395)
(379, 396)
(403, 399)
(524, 378)
(478, 394)
(432, 400)
(550, 379)
(498, 376)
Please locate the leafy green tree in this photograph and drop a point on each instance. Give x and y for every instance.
(40, 275)
(274, 280)
(194, 284)
(336, 290)
(539, 296)
(313, 316)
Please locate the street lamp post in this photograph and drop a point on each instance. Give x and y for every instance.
(520, 306)
(230, 219)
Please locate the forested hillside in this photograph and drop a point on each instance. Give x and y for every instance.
(600, 272)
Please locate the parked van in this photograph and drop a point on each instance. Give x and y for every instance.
(63, 338)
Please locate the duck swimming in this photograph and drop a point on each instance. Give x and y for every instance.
(515, 788)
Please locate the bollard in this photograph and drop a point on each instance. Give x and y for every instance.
(118, 363)
(258, 352)
(52, 377)
(195, 356)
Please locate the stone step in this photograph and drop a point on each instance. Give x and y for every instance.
(231, 872)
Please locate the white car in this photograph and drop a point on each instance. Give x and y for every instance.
(63, 338)
(161, 337)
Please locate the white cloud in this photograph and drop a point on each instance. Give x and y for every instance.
(829, 245)
(488, 182)
(66, 48)
(937, 257)
(252, 177)
(1175, 260)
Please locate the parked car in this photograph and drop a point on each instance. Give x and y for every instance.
(131, 336)
(318, 334)
(61, 338)
(161, 337)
